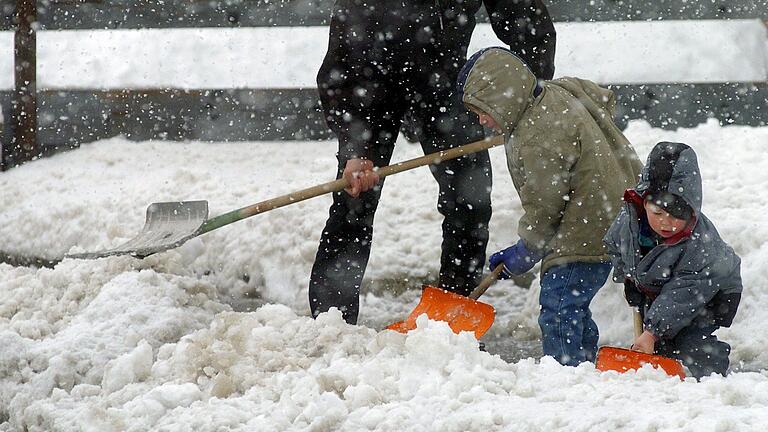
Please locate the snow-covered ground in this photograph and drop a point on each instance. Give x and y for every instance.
(180, 341)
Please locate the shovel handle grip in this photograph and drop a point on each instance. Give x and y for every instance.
(637, 320)
(341, 184)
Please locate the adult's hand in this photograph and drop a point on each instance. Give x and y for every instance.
(360, 175)
(646, 343)
(517, 259)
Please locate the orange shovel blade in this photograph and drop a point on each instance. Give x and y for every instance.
(623, 360)
(461, 313)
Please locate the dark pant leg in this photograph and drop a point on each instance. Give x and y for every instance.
(345, 246)
(465, 193)
(365, 115)
(568, 332)
(699, 350)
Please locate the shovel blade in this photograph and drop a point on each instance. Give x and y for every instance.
(623, 360)
(168, 225)
(461, 313)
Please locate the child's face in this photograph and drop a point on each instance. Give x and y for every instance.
(661, 222)
(485, 119)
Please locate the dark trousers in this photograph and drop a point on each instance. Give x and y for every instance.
(699, 350)
(365, 111)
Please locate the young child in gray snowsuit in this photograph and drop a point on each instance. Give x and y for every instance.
(676, 269)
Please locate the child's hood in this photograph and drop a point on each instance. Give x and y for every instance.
(673, 167)
(497, 82)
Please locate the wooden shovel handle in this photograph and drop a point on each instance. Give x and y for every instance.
(438, 157)
(486, 283)
(341, 184)
(638, 322)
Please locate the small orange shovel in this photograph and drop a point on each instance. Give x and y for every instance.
(623, 360)
(461, 313)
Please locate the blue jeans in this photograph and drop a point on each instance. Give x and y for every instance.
(568, 332)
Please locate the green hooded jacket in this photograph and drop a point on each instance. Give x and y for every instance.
(569, 161)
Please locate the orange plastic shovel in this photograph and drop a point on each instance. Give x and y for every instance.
(461, 313)
(623, 360)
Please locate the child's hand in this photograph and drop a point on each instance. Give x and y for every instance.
(517, 259)
(646, 343)
(361, 176)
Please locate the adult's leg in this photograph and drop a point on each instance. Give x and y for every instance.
(699, 350)
(568, 332)
(465, 189)
(345, 246)
(365, 118)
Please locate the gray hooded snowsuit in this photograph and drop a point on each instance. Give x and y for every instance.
(687, 285)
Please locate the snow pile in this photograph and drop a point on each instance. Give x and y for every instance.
(272, 370)
(61, 327)
(178, 341)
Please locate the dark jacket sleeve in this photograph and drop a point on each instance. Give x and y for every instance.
(525, 25)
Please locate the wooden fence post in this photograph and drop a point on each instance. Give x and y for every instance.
(24, 106)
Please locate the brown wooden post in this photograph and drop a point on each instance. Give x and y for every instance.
(24, 107)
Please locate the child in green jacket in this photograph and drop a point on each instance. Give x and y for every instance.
(570, 165)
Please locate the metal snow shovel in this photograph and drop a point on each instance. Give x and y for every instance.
(461, 313)
(623, 360)
(170, 224)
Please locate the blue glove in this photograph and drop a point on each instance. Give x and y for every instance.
(517, 259)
